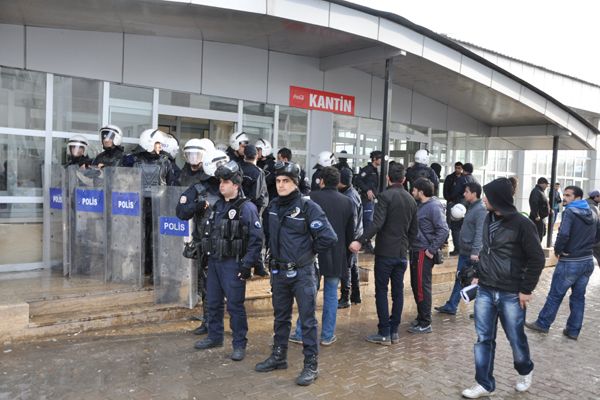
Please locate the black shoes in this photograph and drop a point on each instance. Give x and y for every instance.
(207, 343)
(201, 330)
(238, 354)
(355, 297)
(277, 360)
(379, 339)
(444, 310)
(310, 372)
(453, 253)
(343, 303)
(567, 334)
(535, 327)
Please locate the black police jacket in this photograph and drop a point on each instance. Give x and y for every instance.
(297, 230)
(112, 157)
(249, 218)
(165, 175)
(340, 214)
(233, 155)
(188, 177)
(192, 203)
(83, 160)
(419, 170)
(367, 179)
(266, 163)
(316, 178)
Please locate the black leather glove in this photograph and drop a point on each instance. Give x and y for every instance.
(245, 273)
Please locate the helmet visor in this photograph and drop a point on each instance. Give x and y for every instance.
(193, 157)
(76, 150)
(108, 134)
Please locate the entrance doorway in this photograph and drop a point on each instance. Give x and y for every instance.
(186, 128)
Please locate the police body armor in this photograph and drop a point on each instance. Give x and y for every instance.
(227, 237)
(150, 176)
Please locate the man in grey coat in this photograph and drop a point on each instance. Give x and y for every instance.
(470, 241)
(433, 232)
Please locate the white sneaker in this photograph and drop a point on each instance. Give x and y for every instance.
(524, 382)
(476, 392)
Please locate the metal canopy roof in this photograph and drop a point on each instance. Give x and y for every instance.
(185, 20)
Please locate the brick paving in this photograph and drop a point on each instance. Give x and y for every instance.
(433, 366)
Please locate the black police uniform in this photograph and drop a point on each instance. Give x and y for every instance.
(316, 178)
(298, 229)
(111, 157)
(232, 240)
(201, 188)
(79, 161)
(266, 163)
(233, 155)
(419, 170)
(157, 170)
(367, 179)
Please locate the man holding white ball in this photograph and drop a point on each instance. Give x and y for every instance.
(470, 238)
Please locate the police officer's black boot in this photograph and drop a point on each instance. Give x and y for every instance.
(355, 295)
(343, 302)
(202, 329)
(277, 360)
(310, 372)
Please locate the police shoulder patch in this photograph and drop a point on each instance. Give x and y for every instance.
(363, 174)
(257, 224)
(316, 224)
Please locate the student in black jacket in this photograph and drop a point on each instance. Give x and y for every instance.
(539, 208)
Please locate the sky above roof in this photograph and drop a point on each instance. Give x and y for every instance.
(559, 35)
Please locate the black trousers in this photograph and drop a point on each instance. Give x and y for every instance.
(303, 288)
(421, 268)
(349, 278)
(541, 227)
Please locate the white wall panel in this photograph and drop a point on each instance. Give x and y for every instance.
(400, 37)
(255, 6)
(377, 95)
(506, 85)
(234, 71)
(314, 12)
(348, 20)
(286, 70)
(163, 62)
(320, 138)
(428, 112)
(353, 82)
(441, 54)
(12, 45)
(476, 71)
(97, 55)
(401, 104)
(458, 121)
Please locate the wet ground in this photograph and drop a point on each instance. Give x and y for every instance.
(127, 365)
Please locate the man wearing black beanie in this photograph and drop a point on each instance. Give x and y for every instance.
(510, 263)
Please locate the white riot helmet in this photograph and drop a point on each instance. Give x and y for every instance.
(150, 136)
(212, 160)
(111, 132)
(195, 149)
(326, 159)
(171, 145)
(75, 143)
(458, 212)
(221, 146)
(265, 147)
(237, 138)
(422, 157)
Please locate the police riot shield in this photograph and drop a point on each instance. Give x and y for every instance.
(55, 199)
(87, 224)
(124, 227)
(175, 277)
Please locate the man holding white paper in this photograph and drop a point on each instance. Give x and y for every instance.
(510, 263)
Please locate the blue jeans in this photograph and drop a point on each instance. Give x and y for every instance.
(491, 305)
(567, 274)
(452, 303)
(389, 269)
(330, 303)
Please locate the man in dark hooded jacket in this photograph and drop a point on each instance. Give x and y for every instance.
(510, 263)
(579, 231)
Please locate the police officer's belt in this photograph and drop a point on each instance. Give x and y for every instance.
(290, 266)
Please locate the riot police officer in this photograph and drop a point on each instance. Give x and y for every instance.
(232, 239)
(265, 159)
(77, 152)
(297, 230)
(421, 169)
(202, 188)
(237, 144)
(367, 182)
(324, 159)
(111, 137)
(157, 170)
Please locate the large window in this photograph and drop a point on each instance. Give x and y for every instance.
(77, 104)
(202, 102)
(131, 109)
(22, 160)
(22, 99)
(258, 121)
(21, 232)
(293, 127)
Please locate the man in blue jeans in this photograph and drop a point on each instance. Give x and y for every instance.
(395, 223)
(470, 242)
(578, 232)
(510, 263)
